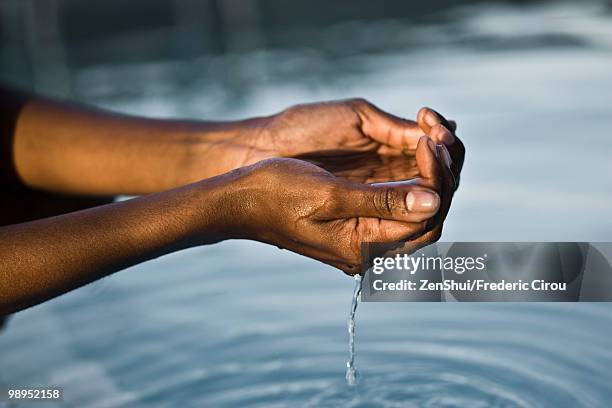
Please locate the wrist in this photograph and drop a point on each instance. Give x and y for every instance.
(226, 206)
(218, 148)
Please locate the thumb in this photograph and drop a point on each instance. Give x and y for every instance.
(400, 201)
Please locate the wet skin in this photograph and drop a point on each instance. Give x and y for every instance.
(214, 181)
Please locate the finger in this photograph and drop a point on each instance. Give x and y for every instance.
(388, 129)
(438, 175)
(429, 165)
(440, 133)
(392, 151)
(421, 241)
(392, 231)
(447, 186)
(382, 231)
(348, 268)
(452, 169)
(400, 201)
(427, 118)
(457, 152)
(435, 175)
(418, 242)
(454, 152)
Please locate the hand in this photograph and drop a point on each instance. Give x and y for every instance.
(318, 131)
(299, 206)
(352, 125)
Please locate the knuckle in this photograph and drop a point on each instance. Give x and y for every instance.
(273, 166)
(285, 118)
(386, 201)
(333, 201)
(359, 102)
(379, 203)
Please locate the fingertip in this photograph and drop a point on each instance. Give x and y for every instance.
(421, 122)
(427, 160)
(428, 117)
(422, 113)
(425, 141)
(440, 134)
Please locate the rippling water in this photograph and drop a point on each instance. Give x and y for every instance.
(244, 324)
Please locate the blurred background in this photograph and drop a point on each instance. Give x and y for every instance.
(244, 324)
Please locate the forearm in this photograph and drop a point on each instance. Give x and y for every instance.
(73, 149)
(45, 258)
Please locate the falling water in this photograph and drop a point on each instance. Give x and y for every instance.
(351, 373)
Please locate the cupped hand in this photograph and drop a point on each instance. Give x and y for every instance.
(344, 125)
(299, 206)
(319, 131)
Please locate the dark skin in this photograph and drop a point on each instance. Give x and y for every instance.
(206, 182)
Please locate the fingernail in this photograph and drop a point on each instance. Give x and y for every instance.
(432, 146)
(446, 156)
(422, 200)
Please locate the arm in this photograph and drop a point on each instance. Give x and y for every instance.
(69, 148)
(285, 202)
(59, 147)
(45, 258)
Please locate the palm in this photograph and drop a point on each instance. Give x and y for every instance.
(366, 167)
(354, 139)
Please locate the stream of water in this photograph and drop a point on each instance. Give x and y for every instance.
(351, 372)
